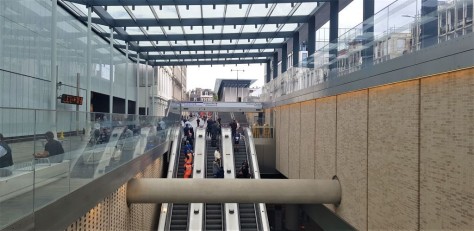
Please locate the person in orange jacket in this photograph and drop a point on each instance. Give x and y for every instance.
(189, 157)
(188, 170)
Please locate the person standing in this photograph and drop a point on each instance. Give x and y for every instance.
(217, 154)
(216, 168)
(233, 127)
(188, 170)
(6, 158)
(53, 149)
(198, 121)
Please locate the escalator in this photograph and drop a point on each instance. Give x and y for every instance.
(179, 212)
(226, 118)
(213, 211)
(248, 219)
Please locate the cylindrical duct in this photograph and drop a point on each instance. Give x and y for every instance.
(275, 191)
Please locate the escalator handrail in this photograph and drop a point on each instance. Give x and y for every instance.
(165, 216)
(252, 156)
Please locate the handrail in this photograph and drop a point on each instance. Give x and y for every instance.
(231, 209)
(196, 210)
(164, 222)
(252, 154)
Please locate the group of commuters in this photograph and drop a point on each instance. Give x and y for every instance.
(53, 150)
(188, 138)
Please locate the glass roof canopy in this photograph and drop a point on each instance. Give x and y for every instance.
(193, 32)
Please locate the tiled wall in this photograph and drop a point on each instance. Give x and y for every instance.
(403, 152)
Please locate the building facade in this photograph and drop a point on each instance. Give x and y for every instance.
(201, 95)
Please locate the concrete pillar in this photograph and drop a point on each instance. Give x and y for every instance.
(269, 71)
(89, 60)
(296, 48)
(54, 65)
(111, 73)
(311, 44)
(137, 102)
(333, 31)
(284, 58)
(368, 30)
(126, 78)
(294, 191)
(429, 29)
(275, 65)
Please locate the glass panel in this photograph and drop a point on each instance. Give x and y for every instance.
(166, 12)
(118, 12)
(212, 30)
(174, 30)
(306, 8)
(134, 31)
(191, 11)
(234, 11)
(259, 10)
(210, 12)
(250, 29)
(282, 9)
(231, 29)
(142, 12)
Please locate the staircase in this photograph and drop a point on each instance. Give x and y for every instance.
(213, 211)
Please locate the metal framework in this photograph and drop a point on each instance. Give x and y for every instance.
(182, 32)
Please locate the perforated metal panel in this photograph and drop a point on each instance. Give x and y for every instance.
(112, 213)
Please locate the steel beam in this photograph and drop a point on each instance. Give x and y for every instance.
(214, 62)
(284, 58)
(296, 48)
(182, 2)
(368, 31)
(206, 56)
(152, 22)
(275, 65)
(275, 191)
(209, 47)
(189, 37)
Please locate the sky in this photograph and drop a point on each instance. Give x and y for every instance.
(205, 76)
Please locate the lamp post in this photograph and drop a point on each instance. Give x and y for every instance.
(237, 70)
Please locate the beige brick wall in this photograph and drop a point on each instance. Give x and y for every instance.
(405, 152)
(351, 157)
(325, 140)
(284, 132)
(447, 152)
(294, 140)
(393, 157)
(112, 213)
(277, 137)
(307, 134)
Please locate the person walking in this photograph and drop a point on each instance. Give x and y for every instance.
(198, 121)
(233, 127)
(216, 167)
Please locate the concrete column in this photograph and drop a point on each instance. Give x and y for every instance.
(126, 78)
(311, 44)
(333, 31)
(137, 104)
(89, 60)
(269, 71)
(275, 65)
(111, 74)
(284, 58)
(153, 92)
(296, 48)
(147, 95)
(54, 65)
(368, 30)
(429, 29)
(294, 191)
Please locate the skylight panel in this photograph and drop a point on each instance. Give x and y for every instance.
(282, 9)
(190, 11)
(167, 12)
(143, 12)
(306, 8)
(236, 10)
(118, 12)
(259, 10)
(210, 12)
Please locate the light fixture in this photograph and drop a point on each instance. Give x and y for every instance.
(213, 6)
(175, 41)
(240, 6)
(191, 27)
(194, 41)
(256, 26)
(230, 40)
(169, 27)
(125, 28)
(276, 25)
(213, 27)
(105, 7)
(147, 28)
(266, 5)
(248, 40)
(235, 27)
(161, 7)
(187, 7)
(133, 7)
(292, 4)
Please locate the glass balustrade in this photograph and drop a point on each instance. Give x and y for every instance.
(85, 147)
(397, 32)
